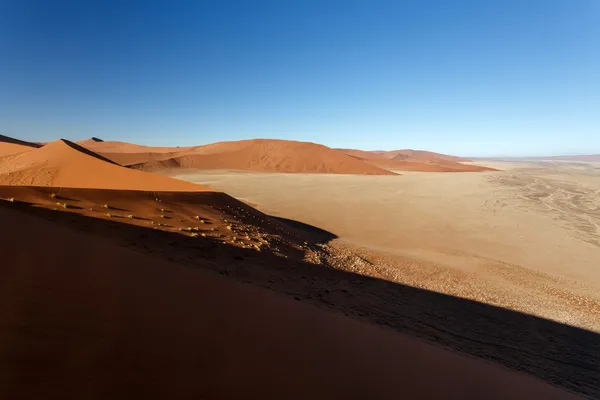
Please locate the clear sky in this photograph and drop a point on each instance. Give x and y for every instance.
(479, 77)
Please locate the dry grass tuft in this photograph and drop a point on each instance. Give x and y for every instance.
(130, 216)
(109, 215)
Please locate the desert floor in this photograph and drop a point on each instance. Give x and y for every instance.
(526, 238)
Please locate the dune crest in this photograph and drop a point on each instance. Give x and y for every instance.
(10, 146)
(66, 164)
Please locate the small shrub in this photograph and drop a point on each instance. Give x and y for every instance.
(109, 215)
(130, 216)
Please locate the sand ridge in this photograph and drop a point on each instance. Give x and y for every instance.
(65, 164)
(10, 146)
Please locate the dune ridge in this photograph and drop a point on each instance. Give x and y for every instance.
(10, 146)
(65, 164)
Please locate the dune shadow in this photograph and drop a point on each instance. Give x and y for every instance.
(562, 355)
(317, 233)
(112, 208)
(17, 202)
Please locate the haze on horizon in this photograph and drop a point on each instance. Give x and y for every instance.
(469, 78)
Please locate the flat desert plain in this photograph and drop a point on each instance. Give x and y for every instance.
(526, 238)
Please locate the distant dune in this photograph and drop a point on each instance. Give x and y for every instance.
(10, 146)
(264, 155)
(431, 166)
(414, 160)
(66, 164)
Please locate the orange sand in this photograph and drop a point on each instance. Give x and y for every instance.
(267, 155)
(66, 164)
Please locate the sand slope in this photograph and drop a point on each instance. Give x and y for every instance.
(124, 325)
(66, 164)
(268, 155)
(10, 146)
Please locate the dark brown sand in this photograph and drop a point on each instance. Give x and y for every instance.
(83, 318)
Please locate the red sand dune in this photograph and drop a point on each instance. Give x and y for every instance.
(402, 155)
(10, 146)
(414, 155)
(66, 164)
(414, 160)
(268, 155)
(431, 166)
(95, 320)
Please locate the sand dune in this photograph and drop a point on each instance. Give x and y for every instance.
(10, 146)
(406, 154)
(414, 160)
(268, 156)
(414, 155)
(427, 166)
(66, 164)
(124, 325)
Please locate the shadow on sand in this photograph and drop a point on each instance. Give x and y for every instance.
(560, 354)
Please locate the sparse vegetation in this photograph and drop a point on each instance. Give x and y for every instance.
(130, 216)
(106, 206)
(109, 215)
(53, 195)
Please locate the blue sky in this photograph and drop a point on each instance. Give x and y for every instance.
(479, 77)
